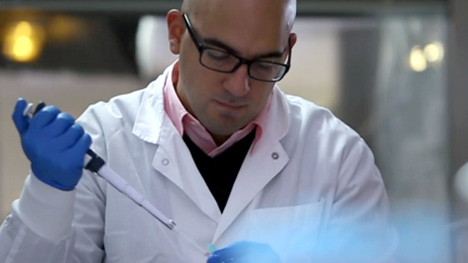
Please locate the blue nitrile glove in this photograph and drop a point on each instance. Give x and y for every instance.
(54, 144)
(245, 252)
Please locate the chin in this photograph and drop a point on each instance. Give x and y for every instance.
(225, 130)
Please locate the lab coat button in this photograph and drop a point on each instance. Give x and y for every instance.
(165, 161)
(275, 156)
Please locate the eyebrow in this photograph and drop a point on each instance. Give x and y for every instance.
(219, 44)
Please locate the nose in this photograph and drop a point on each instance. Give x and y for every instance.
(237, 83)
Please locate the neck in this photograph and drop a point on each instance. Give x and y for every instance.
(219, 139)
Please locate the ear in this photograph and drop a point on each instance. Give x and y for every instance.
(293, 39)
(175, 28)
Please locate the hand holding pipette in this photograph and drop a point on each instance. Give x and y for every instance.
(53, 143)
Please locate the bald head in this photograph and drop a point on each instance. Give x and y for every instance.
(250, 29)
(285, 9)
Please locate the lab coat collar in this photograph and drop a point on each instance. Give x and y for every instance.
(151, 114)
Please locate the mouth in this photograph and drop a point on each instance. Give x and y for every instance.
(230, 106)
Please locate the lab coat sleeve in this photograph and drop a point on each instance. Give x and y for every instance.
(19, 244)
(39, 228)
(43, 226)
(359, 226)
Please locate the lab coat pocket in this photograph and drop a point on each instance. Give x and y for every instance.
(293, 231)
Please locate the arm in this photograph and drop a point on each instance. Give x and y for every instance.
(40, 227)
(359, 227)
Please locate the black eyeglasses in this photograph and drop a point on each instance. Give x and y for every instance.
(223, 61)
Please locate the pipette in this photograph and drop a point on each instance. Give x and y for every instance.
(96, 164)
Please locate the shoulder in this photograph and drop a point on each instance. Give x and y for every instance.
(115, 118)
(303, 108)
(318, 128)
(314, 118)
(327, 143)
(116, 107)
(121, 108)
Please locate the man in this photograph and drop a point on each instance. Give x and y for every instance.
(214, 145)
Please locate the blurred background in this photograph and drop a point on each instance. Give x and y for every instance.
(394, 70)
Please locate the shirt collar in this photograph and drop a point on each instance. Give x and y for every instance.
(185, 122)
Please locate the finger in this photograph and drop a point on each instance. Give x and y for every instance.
(44, 117)
(21, 121)
(78, 151)
(71, 136)
(82, 145)
(60, 125)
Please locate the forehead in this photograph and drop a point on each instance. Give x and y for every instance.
(249, 26)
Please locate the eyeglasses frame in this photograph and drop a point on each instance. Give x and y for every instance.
(201, 48)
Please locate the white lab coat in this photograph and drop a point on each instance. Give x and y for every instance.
(310, 189)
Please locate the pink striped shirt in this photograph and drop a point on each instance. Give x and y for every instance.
(186, 122)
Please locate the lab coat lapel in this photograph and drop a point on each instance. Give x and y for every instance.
(262, 163)
(256, 172)
(172, 158)
(174, 161)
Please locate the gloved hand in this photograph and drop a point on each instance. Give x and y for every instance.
(245, 252)
(54, 144)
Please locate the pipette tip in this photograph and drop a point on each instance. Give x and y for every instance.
(211, 248)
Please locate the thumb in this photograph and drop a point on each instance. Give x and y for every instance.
(21, 121)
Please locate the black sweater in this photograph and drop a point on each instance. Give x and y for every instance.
(220, 172)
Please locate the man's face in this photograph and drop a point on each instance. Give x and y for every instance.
(227, 102)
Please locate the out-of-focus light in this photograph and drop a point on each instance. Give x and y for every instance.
(23, 41)
(23, 29)
(23, 48)
(434, 52)
(65, 28)
(417, 60)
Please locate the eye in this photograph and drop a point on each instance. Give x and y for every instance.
(217, 54)
(265, 65)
